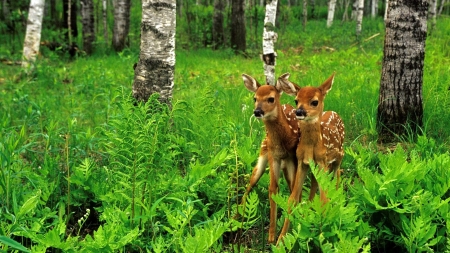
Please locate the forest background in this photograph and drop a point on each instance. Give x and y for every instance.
(83, 169)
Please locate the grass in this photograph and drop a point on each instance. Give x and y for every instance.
(71, 141)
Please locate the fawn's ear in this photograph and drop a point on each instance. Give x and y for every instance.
(283, 84)
(327, 85)
(250, 83)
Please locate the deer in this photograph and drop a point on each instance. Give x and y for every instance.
(321, 141)
(278, 149)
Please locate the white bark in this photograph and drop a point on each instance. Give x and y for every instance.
(432, 13)
(331, 7)
(441, 7)
(269, 39)
(373, 8)
(386, 10)
(359, 17)
(33, 32)
(154, 72)
(105, 20)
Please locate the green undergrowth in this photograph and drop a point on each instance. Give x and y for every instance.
(83, 169)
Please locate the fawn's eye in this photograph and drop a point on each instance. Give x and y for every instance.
(271, 100)
(296, 102)
(254, 99)
(314, 103)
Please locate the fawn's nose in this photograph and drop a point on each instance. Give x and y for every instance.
(258, 112)
(300, 112)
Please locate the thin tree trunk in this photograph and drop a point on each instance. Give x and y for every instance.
(345, 16)
(331, 7)
(400, 108)
(359, 17)
(105, 19)
(354, 10)
(313, 8)
(87, 15)
(217, 34)
(269, 39)
(432, 14)
(441, 7)
(305, 13)
(154, 73)
(121, 24)
(33, 33)
(373, 8)
(238, 31)
(386, 10)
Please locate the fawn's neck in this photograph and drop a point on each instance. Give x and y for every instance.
(311, 133)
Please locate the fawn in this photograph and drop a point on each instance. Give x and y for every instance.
(280, 145)
(321, 140)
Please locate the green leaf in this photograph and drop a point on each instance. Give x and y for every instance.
(12, 243)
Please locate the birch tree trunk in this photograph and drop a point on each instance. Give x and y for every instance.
(121, 24)
(441, 7)
(154, 73)
(373, 8)
(432, 14)
(331, 7)
(105, 19)
(33, 33)
(238, 31)
(386, 10)
(359, 17)
(87, 15)
(400, 108)
(269, 39)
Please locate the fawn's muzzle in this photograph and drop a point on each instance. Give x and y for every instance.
(258, 112)
(300, 113)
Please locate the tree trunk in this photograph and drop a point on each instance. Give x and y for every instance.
(400, 108)
(373, 8)
(331, 7)
(33, 33)
(305, 13)
(313, 9)
(87, 15)
(269, 39)
(154, 73)
(345, 15)
(217, 33)
(432, 14)
(359, 17)
(441, 7)
(121, 24)
(238, 32)
(105, 19)
(70, 19)
(354, 10)
(386, 10)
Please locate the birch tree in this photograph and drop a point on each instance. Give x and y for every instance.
(432, 14)
(400, 107)
(105, 19)
(87, 19)
(359, 17)
(33, 33)
(121, 23)
(154, 72)
(386, 10)
(331, 7)
(269, 39)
